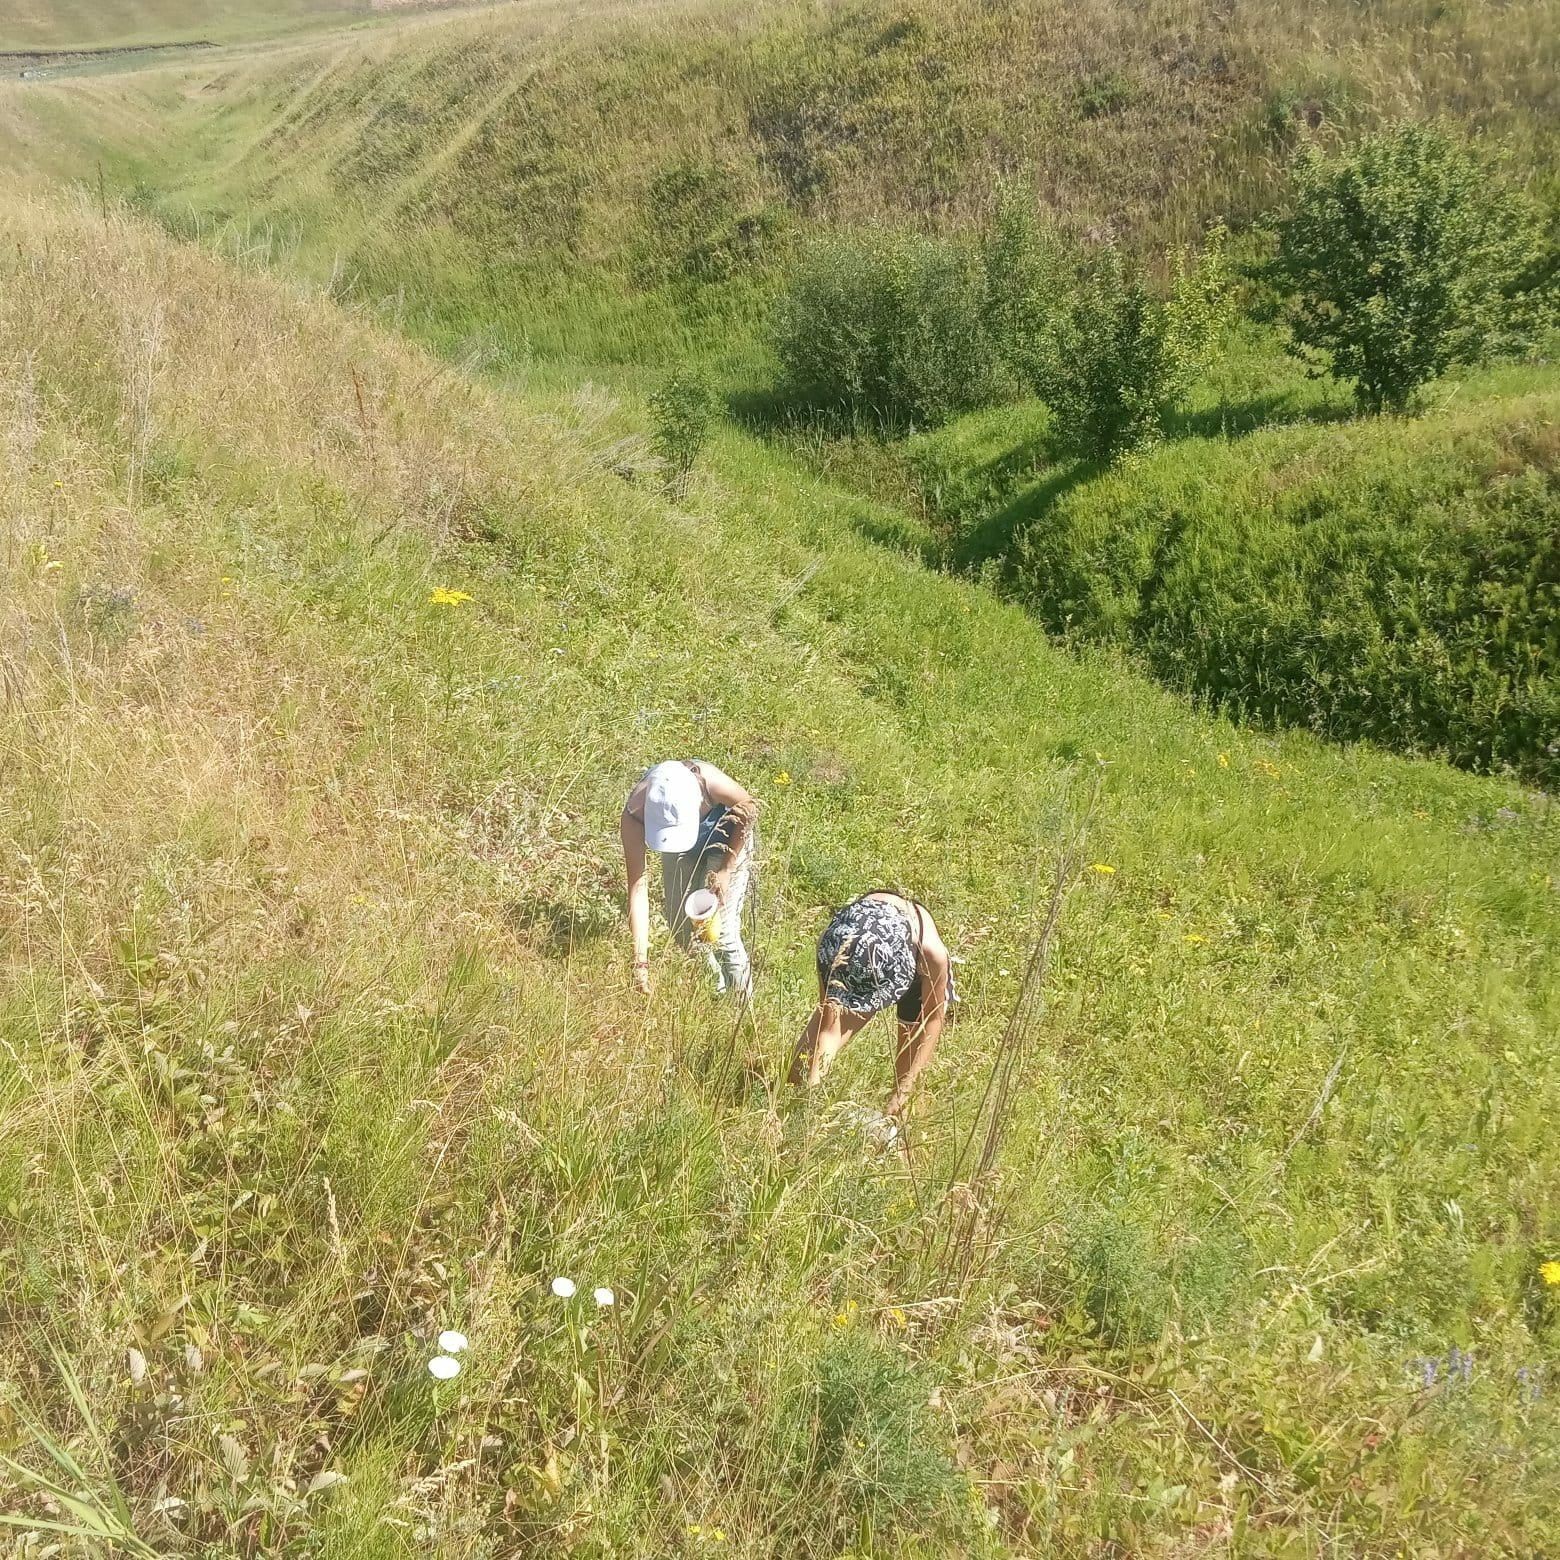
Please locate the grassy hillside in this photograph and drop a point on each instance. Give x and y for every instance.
(1395, 578)
(92, 24)
(316, 1036)
(550, 169)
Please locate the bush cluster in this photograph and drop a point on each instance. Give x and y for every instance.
(900, 331)
(1397, 259)
(888, 328)
(1411, 598)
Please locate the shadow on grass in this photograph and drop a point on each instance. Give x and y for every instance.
(900, 534)
(1016, 504)
(553, 926)
(1236, 419)
(1008, 493)
(994, 534)
(773, 412)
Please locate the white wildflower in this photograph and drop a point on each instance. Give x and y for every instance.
(605, 1297)
(442, 1366)
(453, 1342)
(563, 1288)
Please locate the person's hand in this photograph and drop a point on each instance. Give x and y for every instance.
(719, 884)
(641, 977)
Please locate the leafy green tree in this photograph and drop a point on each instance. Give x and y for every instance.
(1120, 357)
(1403, 257)
(684, 411)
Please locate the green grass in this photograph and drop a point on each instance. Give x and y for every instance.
(119, 24)
(318, 1037)
(315, 1027)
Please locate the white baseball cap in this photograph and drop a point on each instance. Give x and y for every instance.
(672, 801)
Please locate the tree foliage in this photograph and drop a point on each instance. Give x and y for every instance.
(1119, 356)
(1402, 257)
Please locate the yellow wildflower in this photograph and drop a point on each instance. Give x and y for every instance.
(783, 778)
(1195, 937)
(442, 597)
(1224, 760)
(1101, 868)
(897, 1316)
(1550, 1273)
(848, 1315)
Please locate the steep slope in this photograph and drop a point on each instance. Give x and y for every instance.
(605, 181)
(315, 1034)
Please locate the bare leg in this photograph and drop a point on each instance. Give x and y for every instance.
(827, 1033)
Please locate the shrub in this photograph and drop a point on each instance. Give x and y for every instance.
(887, 326)
(1401, 258)
(684, 409)
(1025, 281)
(1120, 357)
(1406, 595)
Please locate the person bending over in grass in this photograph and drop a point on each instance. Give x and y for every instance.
(703, 826)
(881, 949)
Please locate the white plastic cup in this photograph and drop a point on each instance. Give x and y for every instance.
(703, 911)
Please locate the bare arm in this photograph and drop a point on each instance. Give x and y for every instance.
(631, 830)
(720, 787)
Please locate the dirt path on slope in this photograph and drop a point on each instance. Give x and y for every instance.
(39, 64)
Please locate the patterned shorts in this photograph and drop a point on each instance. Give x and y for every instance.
(867, 958)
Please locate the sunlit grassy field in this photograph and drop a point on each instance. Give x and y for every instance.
(316, 1034)
(121, 24)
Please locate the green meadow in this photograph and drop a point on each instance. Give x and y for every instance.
(132, 24)
(1221, 1221)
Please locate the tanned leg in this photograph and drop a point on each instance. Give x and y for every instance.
(828, 1032)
